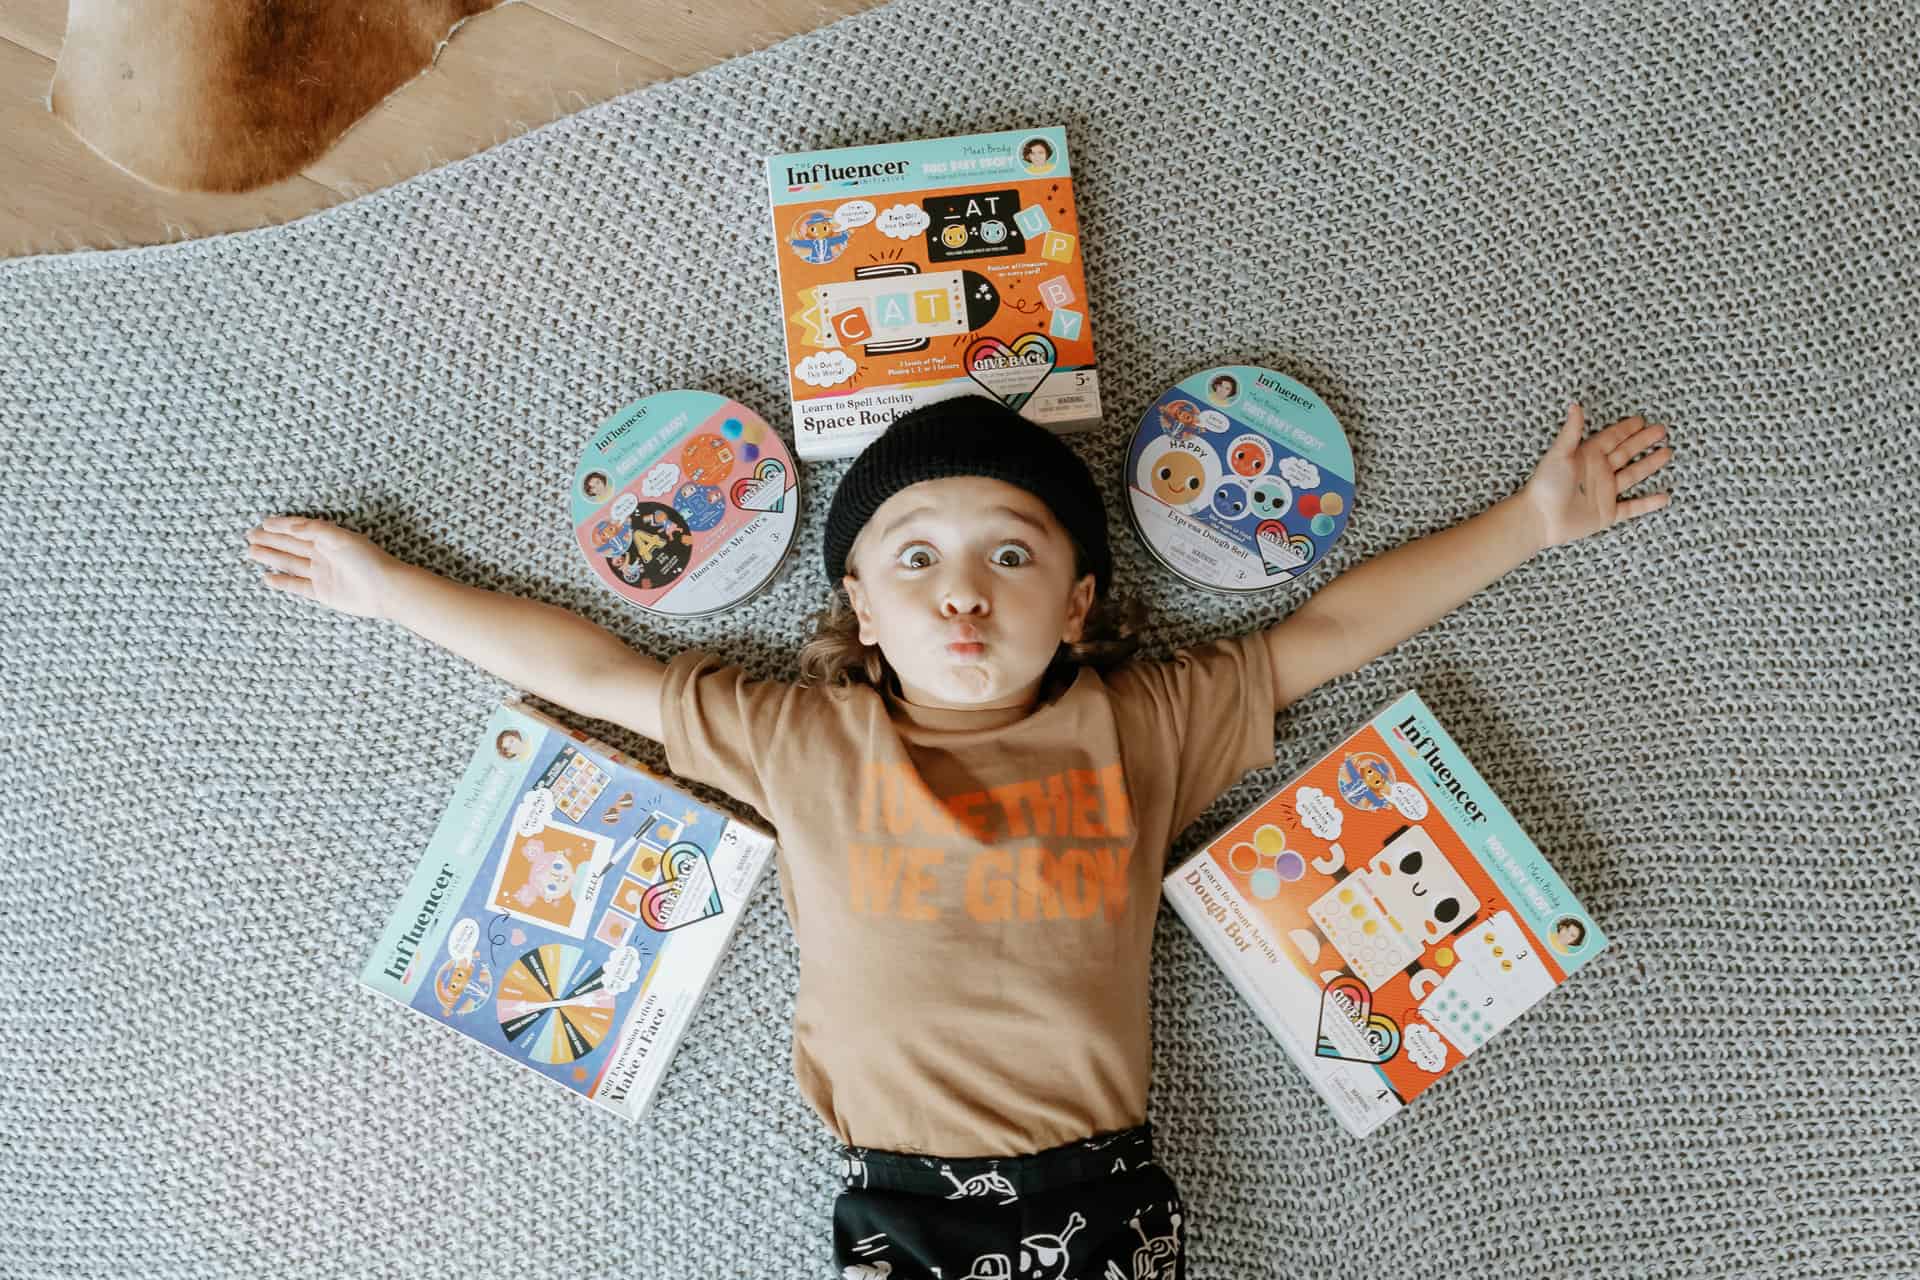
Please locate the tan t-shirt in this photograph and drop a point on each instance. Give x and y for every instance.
(974, 892)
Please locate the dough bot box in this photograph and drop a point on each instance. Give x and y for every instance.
(1383, 914)
(918, 271)
(569, 911)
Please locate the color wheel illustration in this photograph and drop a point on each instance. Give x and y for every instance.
(554, 1007)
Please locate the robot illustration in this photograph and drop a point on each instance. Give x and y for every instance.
(1382, 918)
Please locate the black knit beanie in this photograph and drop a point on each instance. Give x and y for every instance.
(970, 436)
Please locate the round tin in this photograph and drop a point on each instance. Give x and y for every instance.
(1239, 478)
(685, 503)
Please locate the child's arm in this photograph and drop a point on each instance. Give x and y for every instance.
(1371, 608)
(540, 648)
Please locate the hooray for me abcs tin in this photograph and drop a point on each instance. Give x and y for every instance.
(1239, 478)
(685, 503)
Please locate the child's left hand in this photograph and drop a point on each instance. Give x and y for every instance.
(1576, 488)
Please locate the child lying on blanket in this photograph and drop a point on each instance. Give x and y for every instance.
(976, 787)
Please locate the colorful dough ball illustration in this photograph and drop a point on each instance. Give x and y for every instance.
(1271, 498)
(1248, 457)
(1230, 500)
(1177, 478)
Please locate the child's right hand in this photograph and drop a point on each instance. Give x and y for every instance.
(324, 562)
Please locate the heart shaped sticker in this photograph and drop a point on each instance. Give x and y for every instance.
(686, 892)
(764, 490)
(1281, 552)
(1011, 371)
(1350, 1029)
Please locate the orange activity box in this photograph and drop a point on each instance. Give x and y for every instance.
(914, 272)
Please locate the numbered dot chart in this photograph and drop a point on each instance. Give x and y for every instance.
(1464, 1024)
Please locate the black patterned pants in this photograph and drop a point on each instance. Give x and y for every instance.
(1098, 1209)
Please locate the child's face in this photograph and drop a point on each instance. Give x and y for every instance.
(967, 586)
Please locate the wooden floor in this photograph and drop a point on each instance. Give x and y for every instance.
(503, 72)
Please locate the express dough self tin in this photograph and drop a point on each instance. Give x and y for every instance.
(1239, 478)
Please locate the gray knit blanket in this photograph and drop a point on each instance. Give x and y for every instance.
(1449, 221)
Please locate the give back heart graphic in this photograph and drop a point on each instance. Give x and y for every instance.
(1011, 371)
(1280, 551)
(1350, 1029)
(764, 490)
(685, 894)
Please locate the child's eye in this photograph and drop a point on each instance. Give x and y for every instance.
(1011, 555)
(917, 556)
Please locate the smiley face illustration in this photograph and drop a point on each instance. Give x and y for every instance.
(1177, 478)
(1249, 456)
(1230, 500)
(1180, 474)
(953, 235)
(1270, 497)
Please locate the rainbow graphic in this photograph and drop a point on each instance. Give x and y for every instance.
(686, 892)
(1350, 1029)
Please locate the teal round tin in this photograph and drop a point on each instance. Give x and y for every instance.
(1239, 479)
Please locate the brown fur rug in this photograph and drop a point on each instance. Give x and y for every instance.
(228, 95)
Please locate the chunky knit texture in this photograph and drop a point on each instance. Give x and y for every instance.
(1447, 220)
(970, 436)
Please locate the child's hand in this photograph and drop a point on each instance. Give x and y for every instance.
(1576, 488)
(323, 562)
